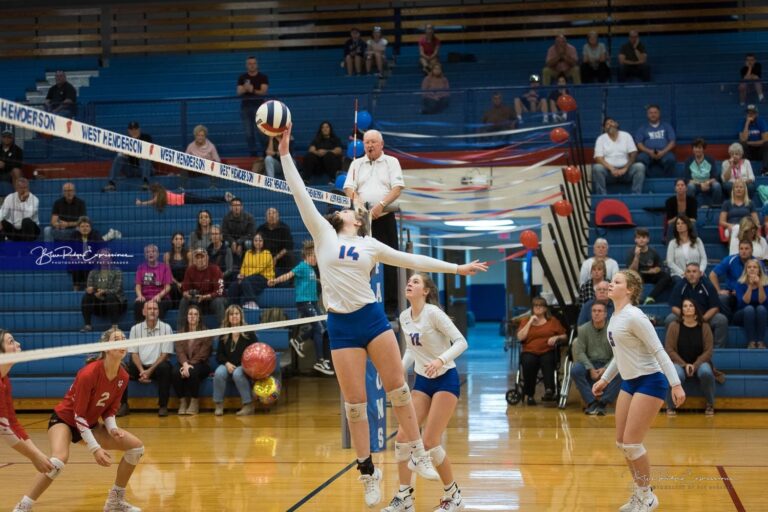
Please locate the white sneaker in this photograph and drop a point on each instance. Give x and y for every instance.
(109, 236)
(116, 503)
(402, 502)
(298, 346)
(372, 485)
(21, 507)
(423, 466)
(251, 305)
(450, 503)
(645, 502)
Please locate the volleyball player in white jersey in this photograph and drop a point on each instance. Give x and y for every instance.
(357, 326)
(433, 343)
(647, 372)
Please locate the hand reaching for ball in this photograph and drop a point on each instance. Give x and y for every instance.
(285, 138)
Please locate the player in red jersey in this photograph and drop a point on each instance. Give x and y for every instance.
(11, 430)
(95, 394)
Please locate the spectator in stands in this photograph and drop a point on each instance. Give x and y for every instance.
(644, 260)
(679, 204)
(192, 356)
(153, 284)
(530, 101)
(737, 168)
(130, 166)
(701, 174)
(684, 247)
(203, 286)
(751, 311)
(591, 355)
(278, 240)
(600, 251)
(19, 214)
(238, 228)
(64, 215)
(377, 179)
(539, 336)
(201, 236)
(699, 290)
(272, 165)
(354, 51)
(595, 61)
(376, 52)
(429, 48)
(178, 260)
(735, 209)
(615, 154)
(562, 58)
(62, 97)
(656, 142)
(203, 148)
(162, 198)
(633, 60)
(587, 290)
(729, 270)
(750, 232)
(562, 88)
(753, 136)
(689, 345)
(435, 87)
(601, 295)
(323, 159)
(11, 159)
(220, 255)
(751, 74)
(103, 293)
(499, 117)
(252, 87)
(151, 363)
(256, 271)
(84, 233)
(229, 355)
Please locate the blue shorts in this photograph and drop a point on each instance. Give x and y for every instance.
(357, 329)
(655, 384)
(449, 381)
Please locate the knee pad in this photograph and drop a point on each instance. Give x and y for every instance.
(133, 455)
(58, 466)
(402, 451)
(400, 396)
(356, 412)
(633, 451)
(438, 455)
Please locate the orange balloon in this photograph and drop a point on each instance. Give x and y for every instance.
(563, 207)
(529, 239)
(558, 135)
(572, 174)
(566, 103)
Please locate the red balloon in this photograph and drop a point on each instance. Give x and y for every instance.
(259, 361)
(572, 174)
(558, 135)
(563, 207)
(566, 103)
(529, 239)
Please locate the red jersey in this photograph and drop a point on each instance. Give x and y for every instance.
(92, 396)
(11, 430)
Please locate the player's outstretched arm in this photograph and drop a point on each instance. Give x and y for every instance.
(396, 258)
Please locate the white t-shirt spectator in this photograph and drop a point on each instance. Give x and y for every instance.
(14, 210)
(373, 180)
(149, 353)
(615, 152)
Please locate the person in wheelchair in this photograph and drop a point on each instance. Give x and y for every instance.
(591, 356)
(539, 337)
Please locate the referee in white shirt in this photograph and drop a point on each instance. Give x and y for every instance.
(377, 179)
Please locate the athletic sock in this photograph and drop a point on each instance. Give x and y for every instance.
(404, 488)
(26, 500)
(365, 466)
(451, 488)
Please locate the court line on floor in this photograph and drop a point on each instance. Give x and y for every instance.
(731, 489)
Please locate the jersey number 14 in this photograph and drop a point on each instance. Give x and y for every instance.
(348, 253)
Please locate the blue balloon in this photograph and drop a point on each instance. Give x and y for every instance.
(340, 179)
(355, 150)
(364, 120)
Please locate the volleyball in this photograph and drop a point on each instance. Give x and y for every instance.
(259, 361)
(272, 118)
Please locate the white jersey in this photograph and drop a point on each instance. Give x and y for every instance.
(346, 262)
(432, 335)
(636, 347)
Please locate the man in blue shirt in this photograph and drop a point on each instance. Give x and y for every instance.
(727, 273)
(656, 143)
(753, 135)
(698, 289)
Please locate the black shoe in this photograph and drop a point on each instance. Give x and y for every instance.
(531, 401)
(549, 396)
(590, 409)
(600, 409)
(123, 410)
(162, 412)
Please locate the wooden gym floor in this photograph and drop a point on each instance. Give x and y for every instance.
(505, 458)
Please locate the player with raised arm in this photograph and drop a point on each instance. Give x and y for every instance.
(357, 325)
